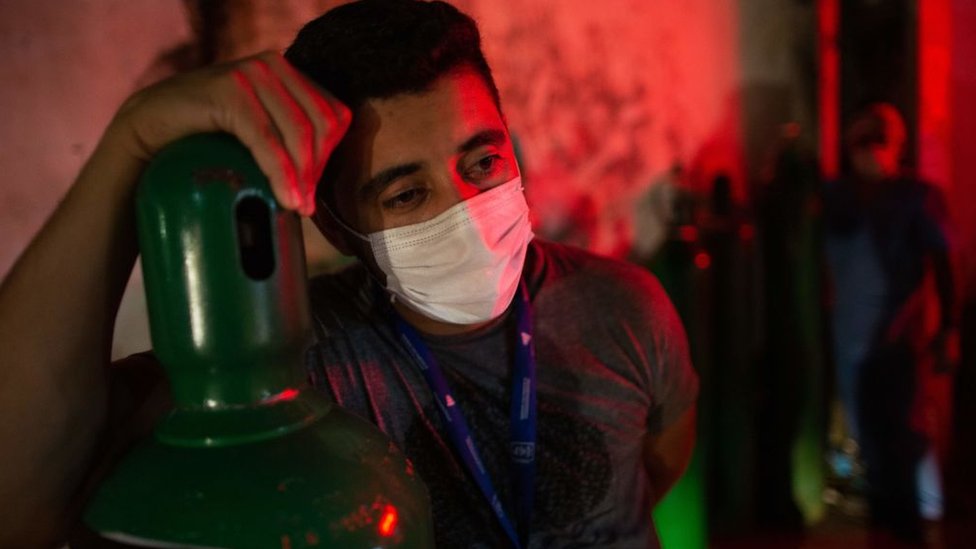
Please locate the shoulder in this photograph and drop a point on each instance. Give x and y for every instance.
(591, 282)
(910, 184)
(840, 192)
(835, 186)
(931, 194)
(551, 262)
(607, 315)
(342, 299)
(925, 197)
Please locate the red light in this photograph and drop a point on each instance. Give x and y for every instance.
(284, 396)
(828, 23)
(388, 522)
(935, 87)
(747, 231)
(688, 233)
(702, 260)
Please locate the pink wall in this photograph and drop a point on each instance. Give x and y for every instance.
(605, 97)
(66, 67)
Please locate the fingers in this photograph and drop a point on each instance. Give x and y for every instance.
(289, 125)
(254, 125)
(295, 127)
(330, 118)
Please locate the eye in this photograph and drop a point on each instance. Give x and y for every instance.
(485, 167)
(486, 163)
(406, 199)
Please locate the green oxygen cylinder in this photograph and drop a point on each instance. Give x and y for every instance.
(251, 455)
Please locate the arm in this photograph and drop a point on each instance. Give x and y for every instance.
(58, 304)
(946, 342)
(666, 455)
(672, 386)
(940, 243)
(55, 325)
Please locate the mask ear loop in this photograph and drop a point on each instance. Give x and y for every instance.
(345, 226)
(380, 288)
(342, 223)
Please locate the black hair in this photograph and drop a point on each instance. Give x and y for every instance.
(376, 49)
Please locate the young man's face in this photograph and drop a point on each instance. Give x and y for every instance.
(409, 158)
(876, 161)
(876, 142)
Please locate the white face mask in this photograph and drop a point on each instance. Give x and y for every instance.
(463, 266)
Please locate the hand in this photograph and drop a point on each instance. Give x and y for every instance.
(290, 125)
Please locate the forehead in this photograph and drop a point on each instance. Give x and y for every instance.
(423, 128)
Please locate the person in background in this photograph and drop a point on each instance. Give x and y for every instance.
(885, 232)
(391, 134)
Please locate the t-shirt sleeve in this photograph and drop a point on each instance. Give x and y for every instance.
(645, 327)
(673, 382)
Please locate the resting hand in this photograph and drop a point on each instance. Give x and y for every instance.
(289, 124)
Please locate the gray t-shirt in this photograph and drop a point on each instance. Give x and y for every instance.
(612, 367)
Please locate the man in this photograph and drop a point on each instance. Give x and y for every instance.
(417, 175)
(885, 231)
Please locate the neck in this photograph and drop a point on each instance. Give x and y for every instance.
(435, 327)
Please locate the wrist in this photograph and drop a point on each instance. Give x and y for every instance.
(115, 164)
(121, 141)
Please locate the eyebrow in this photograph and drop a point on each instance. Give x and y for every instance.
(486, 137)
(385, 178)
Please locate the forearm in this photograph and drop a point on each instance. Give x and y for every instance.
(57, 310)
(664, 477)
(666, 456)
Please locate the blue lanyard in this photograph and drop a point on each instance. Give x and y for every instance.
(523, 410)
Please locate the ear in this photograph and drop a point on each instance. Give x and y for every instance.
(347, 244)
(332, 231)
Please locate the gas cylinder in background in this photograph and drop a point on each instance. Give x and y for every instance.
(251, 455)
